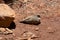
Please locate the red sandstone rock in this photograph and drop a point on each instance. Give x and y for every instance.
(7, 15)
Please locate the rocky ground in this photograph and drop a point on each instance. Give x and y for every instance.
(48, 29)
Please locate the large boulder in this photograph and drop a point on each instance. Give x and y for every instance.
(7, 15)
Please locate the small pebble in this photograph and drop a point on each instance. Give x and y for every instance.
(51, 30)
(36, 29)
(1, 38)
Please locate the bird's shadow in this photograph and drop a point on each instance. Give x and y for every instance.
(30, 23)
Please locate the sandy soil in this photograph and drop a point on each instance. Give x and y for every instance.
(49, 10)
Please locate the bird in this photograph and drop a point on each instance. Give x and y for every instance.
(33, 19)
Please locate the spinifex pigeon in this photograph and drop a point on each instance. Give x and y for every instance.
(34, 19)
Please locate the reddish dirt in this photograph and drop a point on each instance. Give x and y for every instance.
(49, 10)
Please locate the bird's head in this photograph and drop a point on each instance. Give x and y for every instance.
(38, 15)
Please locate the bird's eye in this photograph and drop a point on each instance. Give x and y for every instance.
(38, 15)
